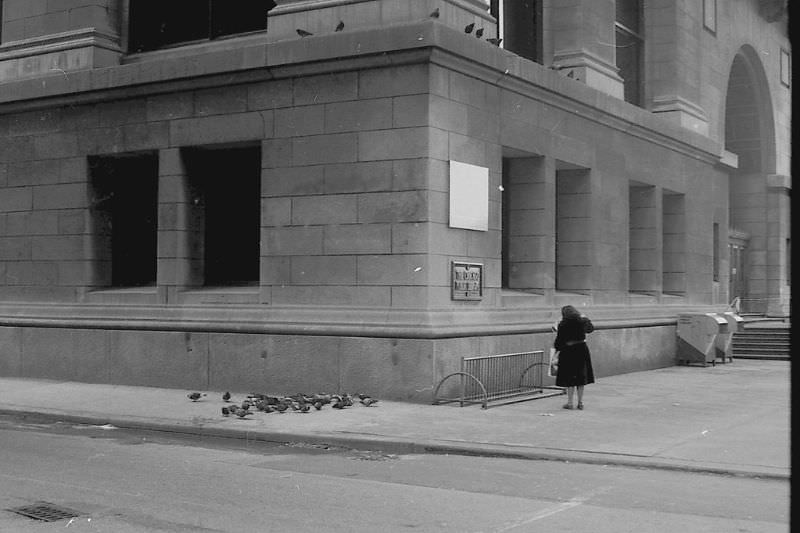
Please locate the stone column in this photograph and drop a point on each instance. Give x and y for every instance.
(180, 228)
(644, 261)
(42, 38)
(673, 31)
(778, 231)
(583, 43)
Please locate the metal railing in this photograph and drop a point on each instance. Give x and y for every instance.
(757, 306)
(503, 378)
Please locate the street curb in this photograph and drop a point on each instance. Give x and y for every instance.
(399, 445)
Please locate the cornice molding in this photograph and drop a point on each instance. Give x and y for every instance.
(548, 88)
(376, 47)
(779, 182)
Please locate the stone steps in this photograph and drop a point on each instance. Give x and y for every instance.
(762, 343)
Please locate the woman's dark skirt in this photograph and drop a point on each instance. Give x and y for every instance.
(574, 366)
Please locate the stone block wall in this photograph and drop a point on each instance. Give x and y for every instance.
(398, 369)
(356, 132)
(26, 19)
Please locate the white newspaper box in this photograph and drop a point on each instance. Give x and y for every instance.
(725, 340)
(697, 337)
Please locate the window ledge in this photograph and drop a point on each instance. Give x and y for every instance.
(199, 47)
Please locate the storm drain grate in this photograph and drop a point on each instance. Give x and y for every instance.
(44, 511)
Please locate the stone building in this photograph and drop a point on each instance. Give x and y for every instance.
(202, 195)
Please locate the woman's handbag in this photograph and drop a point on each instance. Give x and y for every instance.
(552, 368)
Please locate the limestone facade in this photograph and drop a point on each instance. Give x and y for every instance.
(265, 211)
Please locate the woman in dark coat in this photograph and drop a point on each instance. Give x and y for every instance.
(574, 359)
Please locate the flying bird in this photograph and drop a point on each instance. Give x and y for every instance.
(469, 27)
(479, 32)
(435, 13)
(194, 396)
(226, 397)
(340, 26)
(303, 33)
(494, 41)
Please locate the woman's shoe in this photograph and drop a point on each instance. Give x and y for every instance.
(580, 406)
(568, 406)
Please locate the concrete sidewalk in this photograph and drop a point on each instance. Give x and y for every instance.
(729, 418)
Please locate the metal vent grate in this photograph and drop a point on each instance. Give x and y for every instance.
(44, 511)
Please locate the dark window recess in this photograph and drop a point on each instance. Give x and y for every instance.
(125, 214)
(629, 14)
(521, 27)
(505, 228)
(630, 48)
(788, 261)
(226, 184)
(156, 24)
(715, 252)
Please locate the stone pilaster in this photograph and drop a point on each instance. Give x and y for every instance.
(673, 33)
(583, 43)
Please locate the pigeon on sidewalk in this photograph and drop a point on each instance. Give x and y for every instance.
(194, 396)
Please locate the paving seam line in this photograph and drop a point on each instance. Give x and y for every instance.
(399, 445)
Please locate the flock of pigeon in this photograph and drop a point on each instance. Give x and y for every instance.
(300, 403)
(435, 14)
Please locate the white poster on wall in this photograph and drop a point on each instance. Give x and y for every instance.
(469, 196)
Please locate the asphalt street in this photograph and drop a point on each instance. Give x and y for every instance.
(141, 481)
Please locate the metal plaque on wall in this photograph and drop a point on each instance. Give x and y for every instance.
(466, 281)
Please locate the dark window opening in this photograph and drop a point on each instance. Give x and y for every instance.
(155, 24)
(505, 228)
(715, 252)
(630, 48)
(788, 261)
(125, 219)
(520, 26)
(226, 184)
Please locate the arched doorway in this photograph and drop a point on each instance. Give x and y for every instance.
(758, 214)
